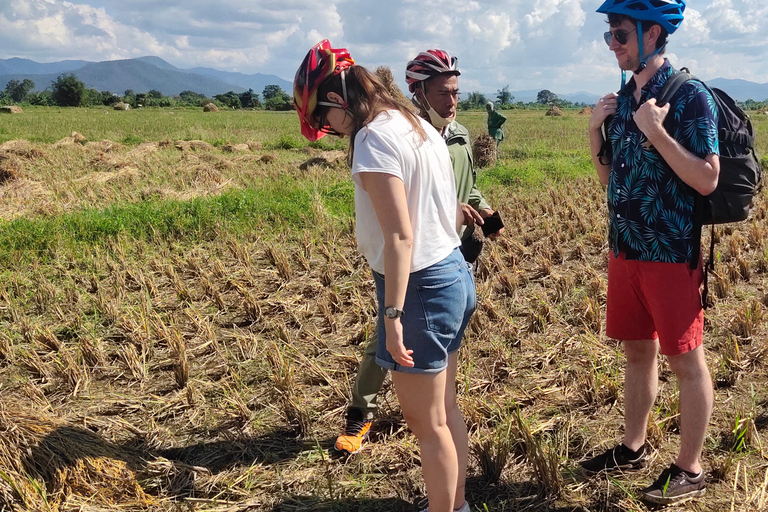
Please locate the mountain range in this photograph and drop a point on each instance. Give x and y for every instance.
(141, 75)
(146, 73)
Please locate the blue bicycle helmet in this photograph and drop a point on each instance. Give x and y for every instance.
(667, 13)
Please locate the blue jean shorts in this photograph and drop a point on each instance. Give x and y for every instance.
(439, 302)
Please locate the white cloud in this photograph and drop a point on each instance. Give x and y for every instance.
(552, 44)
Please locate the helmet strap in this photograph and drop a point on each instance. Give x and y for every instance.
(644, 62)
(345, 104)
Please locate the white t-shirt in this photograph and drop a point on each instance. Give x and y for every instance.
(389, 145)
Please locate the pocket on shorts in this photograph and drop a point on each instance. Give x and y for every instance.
(443, 304)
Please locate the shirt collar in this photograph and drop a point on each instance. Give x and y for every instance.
(656, 82)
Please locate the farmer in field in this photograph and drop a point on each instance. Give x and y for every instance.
(407, 217)
(495, 122)
(654, 271)
(432, 78)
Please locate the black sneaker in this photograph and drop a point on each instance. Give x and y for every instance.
(618, 458)
(675, 485)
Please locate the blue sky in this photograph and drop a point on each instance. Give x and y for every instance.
(552, 44)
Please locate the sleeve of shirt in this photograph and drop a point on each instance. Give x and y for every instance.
(477, 201)
(375, 153)
(695, 113)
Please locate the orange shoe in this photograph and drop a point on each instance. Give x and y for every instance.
(355, 433)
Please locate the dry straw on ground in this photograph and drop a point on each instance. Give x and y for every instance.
(484, 151)
(11, 109)
(586, 111)
(121, 106)
(210, 107)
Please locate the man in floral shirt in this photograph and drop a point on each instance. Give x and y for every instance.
(662, 156)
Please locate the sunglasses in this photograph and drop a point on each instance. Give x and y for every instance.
(620, 35)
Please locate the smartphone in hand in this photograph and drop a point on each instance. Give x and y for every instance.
(492, 224)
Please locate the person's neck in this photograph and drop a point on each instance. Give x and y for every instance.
(642, 78)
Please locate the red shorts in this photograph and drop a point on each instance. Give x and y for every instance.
(655, 300)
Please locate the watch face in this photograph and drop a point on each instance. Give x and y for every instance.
(391, 312)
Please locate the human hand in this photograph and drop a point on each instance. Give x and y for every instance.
(395, 346)
(649, 118)
(471, 216)
(606, 106)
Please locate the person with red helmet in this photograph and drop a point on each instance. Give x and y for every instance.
(662, 157)
(407, 219)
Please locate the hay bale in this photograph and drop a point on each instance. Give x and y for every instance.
(554, 111)
(210, 107)
(121, 106)
(235, 148)
(78, 137)
(384, 74)
(484, 150)
(70, 461)
(11, 109)
(586, 111)
(327, 159)
(193, 145)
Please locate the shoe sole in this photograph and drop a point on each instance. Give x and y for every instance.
(616, 469)
(668, 500)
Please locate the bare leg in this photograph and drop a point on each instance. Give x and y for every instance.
(696, 398)
(422, 399)
(641, 384)
(457, 427)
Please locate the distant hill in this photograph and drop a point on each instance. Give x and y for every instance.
(16, 66)
(741, 90)
(142, 75)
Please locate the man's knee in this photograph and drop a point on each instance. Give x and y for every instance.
(641, 351)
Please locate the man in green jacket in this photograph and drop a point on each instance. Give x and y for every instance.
(432, 77)
(495, 122)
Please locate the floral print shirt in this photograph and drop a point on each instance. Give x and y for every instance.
(650, 209)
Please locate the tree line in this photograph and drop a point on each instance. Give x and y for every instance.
(68, 91)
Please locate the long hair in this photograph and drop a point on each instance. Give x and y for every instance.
(366, 98)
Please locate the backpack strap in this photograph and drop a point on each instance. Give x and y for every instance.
(672, 85)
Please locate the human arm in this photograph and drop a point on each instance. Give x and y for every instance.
(391, 207)
(699, 173)
(605, 107)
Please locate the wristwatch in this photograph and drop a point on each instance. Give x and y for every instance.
(393, 312)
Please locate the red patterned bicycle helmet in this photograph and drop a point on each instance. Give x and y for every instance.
(321, 62)
(428, 64)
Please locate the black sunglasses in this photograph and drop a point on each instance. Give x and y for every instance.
(620, 35)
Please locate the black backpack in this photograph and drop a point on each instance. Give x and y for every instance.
(740, 170)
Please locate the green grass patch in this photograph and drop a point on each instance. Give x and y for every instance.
(278, 207)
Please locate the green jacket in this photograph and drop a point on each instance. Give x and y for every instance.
(495, 122)
(460, 148)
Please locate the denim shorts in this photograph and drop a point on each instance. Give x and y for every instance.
(439, 302)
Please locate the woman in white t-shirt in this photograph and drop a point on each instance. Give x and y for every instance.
(407, 216)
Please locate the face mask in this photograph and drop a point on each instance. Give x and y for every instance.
(436, 119)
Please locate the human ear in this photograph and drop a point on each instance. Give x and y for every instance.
(335, 98)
